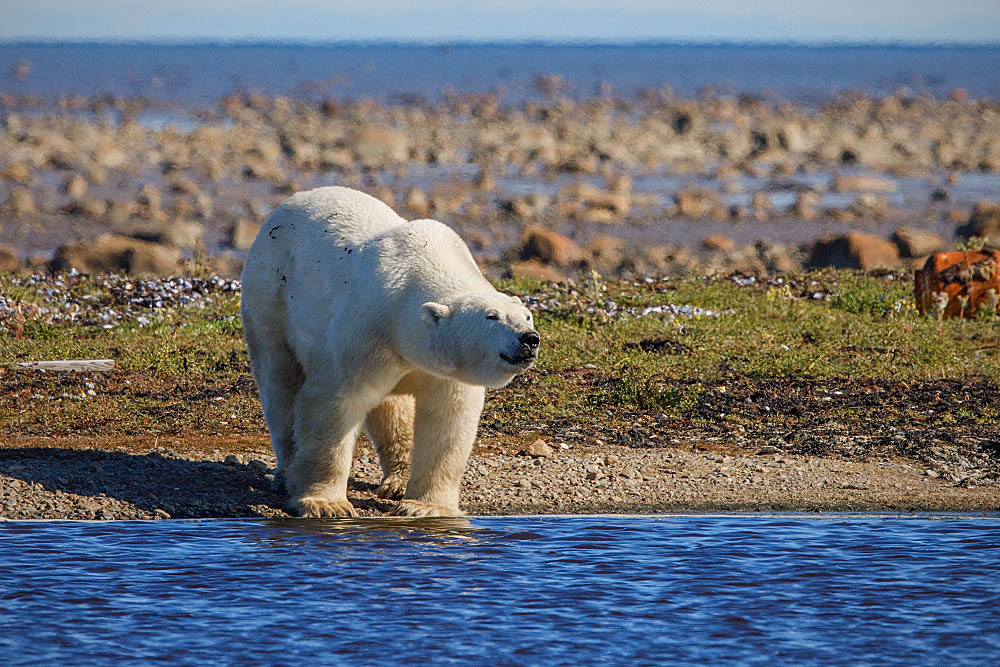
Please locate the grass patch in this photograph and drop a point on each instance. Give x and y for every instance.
(692, 352)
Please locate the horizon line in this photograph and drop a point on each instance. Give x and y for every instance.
(518, 42)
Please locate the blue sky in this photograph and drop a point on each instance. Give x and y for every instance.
(420, 20)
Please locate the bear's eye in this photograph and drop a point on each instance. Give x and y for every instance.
(492, 316)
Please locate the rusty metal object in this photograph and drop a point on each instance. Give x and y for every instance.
(965, 276)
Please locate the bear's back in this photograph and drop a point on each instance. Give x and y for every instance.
(347, 214)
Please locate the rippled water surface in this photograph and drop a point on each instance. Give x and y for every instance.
(840, 589)
(200, 73)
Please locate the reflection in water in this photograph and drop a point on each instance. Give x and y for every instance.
(708, 589)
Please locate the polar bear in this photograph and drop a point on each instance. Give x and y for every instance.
(354, 316)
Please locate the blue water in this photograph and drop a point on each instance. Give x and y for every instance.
(802, 590)
(201, 73)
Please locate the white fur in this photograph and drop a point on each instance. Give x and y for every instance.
(355, 316)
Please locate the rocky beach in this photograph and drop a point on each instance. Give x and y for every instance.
(652, 185)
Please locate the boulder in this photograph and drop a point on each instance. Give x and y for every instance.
(8, 259)
(19, 172)
(112, 252)
(535, 270)
(549, 247)
(416, 202)
(916, 242)
(718, 242)
(374, 145)
(984, 221)
(243, 234)
(778, 258)
(854, 250)
(618, 201)
(149, 201)
(176, 233)
(20, 202)
(90, 207)
(806, 207)
(527, 207)
(858, 182)
(699, 203)
(75, 186)
(606, 252)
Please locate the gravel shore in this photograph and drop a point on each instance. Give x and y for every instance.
(102, 479)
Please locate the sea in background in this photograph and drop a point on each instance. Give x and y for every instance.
(198, 74)
(792, 589)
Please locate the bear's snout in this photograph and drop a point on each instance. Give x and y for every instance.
(529, 339)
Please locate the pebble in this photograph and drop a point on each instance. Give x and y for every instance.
(539, 449)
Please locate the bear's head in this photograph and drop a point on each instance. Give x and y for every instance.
(483, 338)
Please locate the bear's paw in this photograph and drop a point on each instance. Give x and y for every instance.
(415, 508)
(316, 508)
(392, 487)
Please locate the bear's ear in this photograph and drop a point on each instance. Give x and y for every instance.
(517, 300)
(432, 313)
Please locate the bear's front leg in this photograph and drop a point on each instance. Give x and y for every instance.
(326, 429)
(445, 423)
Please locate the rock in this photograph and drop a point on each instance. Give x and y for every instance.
(532, 269)
(417, 202)
(806, 207)
(243, 233)
(606, 252)
(549, 247)
(19, 172)
(768, 449)
(868, 206)
(550, 84)
(617, 202)
(699, 203)
(984, 221)
(854, 250)
(376, 146)
(718, 242)
(75, 186)
(148, 202)
(760, 205)
(527, 207)
(8, 259)
(20, 202)
(791, 137)
(863, 183)
(109, 253)
(778, 258)
(916, 242)
(178, 233)
(90, 207)
(539, 450)
(160, 514)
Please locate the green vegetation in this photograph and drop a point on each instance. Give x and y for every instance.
(604, 365)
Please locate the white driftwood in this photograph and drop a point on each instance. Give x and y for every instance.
(81, 365)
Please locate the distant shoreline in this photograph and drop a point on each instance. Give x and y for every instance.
(512, 43)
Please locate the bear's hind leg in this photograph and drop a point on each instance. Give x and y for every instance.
(390, 428)
(446, 419)
(279, 377)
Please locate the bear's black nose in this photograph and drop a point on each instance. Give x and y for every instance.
(529, 339)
